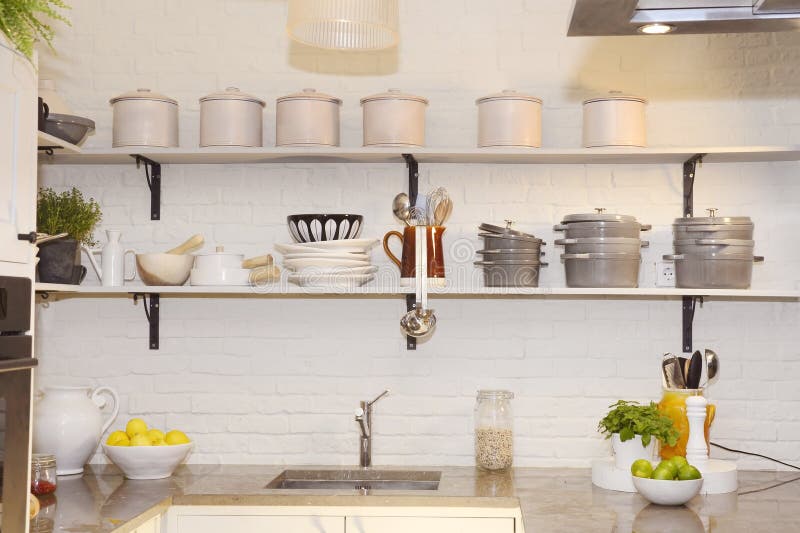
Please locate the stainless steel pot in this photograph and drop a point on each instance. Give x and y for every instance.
(602, 228)
(714, 271)
(602, 270)
(510, 273)
(713, 227)
(707, 247)
(591, 245)
(494, 241)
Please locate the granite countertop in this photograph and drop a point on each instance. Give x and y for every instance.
(552, 499)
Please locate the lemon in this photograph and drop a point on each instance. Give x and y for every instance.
(135, 426)
(176, 437)
(118, 438)
(158, 442)
(140, 440)
(155, 435)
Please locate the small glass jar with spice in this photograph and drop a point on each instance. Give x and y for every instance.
(43, 474)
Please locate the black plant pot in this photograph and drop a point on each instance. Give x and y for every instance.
(60, 262)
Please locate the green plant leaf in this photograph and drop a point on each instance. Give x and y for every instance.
(629, 418)
(24, 22)
(67, 212)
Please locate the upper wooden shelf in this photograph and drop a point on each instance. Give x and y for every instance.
(235, 155)
(282, 290)
(45, 140)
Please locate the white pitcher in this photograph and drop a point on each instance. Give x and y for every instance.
(68, 423)
(112, 260)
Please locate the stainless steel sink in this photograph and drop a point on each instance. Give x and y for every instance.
(357, 479)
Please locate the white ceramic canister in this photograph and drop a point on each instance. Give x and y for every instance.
(614, 120)
(231, 118)
(394, 118)
(145, 118)
(307, 118)
(68, 423)
(509, 118)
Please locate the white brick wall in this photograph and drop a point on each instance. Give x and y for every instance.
(276, 380)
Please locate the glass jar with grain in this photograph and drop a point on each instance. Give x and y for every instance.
(494, 430)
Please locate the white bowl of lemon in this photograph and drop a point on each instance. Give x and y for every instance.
(143, 453)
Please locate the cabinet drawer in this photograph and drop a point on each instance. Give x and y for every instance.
(259, 524)
(406, 524)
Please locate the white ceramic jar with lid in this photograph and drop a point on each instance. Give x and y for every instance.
(394, 118)
(231, 118)
(509, 118)
(144, 118)
(307, 118)
(614, 120)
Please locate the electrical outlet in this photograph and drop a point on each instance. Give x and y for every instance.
(665, 274)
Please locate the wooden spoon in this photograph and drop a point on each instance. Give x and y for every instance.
(193, 243)
(255, 262)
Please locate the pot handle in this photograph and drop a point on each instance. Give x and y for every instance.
(133, 276)
(100, 402)
(386, 249)
(646, 227)
(645, 244)
(565, 241)
(758, 259)
(560, 227)
(673, 257)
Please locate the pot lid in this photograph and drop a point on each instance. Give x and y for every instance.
(599, 215)
(394, 94)
(508, 94)
(143, 94)
(233, 93)
(616, 256)
(714, 242)
(713, 219)
(509, 262)
(219, 250)
(511, 237)
(504, 231)
(310, 94)
(615, 95)
(602, 240)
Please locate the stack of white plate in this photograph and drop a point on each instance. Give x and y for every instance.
(341, 263)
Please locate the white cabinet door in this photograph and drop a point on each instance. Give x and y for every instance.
(18, 126)
(151, 526)
(408, 524)
(259, 524)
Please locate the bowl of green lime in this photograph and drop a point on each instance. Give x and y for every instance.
(672, 482)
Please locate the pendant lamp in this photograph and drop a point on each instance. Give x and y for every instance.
(344, 24)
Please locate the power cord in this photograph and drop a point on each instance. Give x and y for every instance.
(754, 455)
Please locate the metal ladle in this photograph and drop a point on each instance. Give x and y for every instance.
(420, 321)
(401, 207)
(712, 366)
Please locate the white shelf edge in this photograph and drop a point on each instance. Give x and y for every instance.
(45, 139)
(236, 155)
(281, 291)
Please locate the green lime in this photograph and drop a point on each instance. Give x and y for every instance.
(678, 461)
(687, 472)
(663, 473)
(642, 468)
(668, 465)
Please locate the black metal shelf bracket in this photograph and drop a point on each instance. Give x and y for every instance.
(689, 307)
(152, 172)
(411, 300)
(689, 172)
(151, 311)
(413, 177)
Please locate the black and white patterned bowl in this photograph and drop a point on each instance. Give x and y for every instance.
(316, 227)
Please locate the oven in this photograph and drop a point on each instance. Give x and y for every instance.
(16, 376)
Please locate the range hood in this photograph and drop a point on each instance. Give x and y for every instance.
(627, 17)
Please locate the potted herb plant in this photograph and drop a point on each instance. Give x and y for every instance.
(67, 212)
(634, 429)
(24, 22)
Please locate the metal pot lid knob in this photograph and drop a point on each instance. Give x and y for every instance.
(712, 212)
(600, 210)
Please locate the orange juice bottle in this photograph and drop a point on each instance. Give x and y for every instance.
(673, 405)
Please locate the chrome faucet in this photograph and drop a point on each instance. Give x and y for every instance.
(364, 419)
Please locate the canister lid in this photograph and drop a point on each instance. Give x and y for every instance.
(310, 94)
(233, 93)
(43, 460)
(599, 215)
(143, 94)
(508, 94)
(489, 394)
(615, 95)
(394, 94)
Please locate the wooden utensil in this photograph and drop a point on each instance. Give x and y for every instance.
(255, 262)
(193, 243)
(265, 274)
